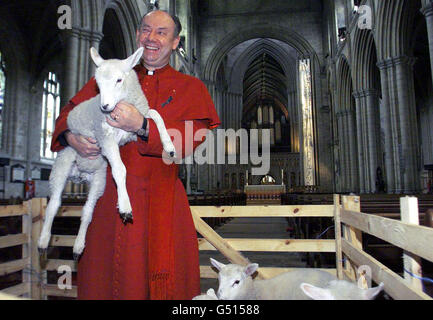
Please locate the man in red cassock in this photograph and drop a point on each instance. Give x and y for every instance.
(156, 255)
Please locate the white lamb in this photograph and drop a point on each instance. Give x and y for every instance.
(341, 290)
(117, 81)
(236, 283)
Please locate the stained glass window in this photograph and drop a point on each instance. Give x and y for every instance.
(2, 92)
(50, 111)
(307, 122)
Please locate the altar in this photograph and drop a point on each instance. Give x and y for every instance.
(264, 194)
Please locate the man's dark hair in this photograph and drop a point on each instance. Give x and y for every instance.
(177, 24)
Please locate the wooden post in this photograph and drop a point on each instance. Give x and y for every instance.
(337, 228)
(37, 210)
(26, 248)
(351, 234)
(409, 214)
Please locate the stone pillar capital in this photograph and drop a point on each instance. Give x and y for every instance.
(394, 61)
(365, 93)
(85, 34)
(427, 10)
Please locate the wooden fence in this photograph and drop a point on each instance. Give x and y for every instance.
(350, 223)
(417, 241)
(231, 248)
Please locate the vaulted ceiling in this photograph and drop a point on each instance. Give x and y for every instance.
(264, 82)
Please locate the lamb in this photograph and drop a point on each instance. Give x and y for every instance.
(116, 81)
(341, 290)
(236, 283)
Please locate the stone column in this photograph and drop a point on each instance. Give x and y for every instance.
(215, 171)
(360, 131)
(399, 124)
(79, 69)
(352, 158)
(342, 154)
(386, 127)
(427, 10)
(408, 124)
(373, 137)
(367, 102)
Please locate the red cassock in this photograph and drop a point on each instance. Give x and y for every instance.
(155, 256)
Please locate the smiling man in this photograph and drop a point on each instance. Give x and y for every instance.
(159, 35)
(155, 256)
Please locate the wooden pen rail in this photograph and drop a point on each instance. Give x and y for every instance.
(350, 224)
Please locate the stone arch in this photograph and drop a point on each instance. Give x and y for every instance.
(254, 50)
(304, 50)
(346, 127)
(393, 27)
(367, 90)
(129, 17)
(113, 44)
(344, 85)
(236, 37)
(364, 56)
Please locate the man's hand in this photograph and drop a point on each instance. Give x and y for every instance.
(125, 116)
(85, 146)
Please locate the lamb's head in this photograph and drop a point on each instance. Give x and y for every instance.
(110, 76)
(235, 281)
(341, 290)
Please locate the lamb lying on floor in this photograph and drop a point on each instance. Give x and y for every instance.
(117, 81)
(236, 283)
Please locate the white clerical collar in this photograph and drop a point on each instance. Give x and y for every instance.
(150, 72)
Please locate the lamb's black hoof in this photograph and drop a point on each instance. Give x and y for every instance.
(172, 154)
(42, 252)
(76, 256)
(126, 217)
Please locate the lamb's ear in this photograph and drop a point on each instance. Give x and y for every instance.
(97, 59)
(316, 293)
(217, 264)
(211, 293)
(370, 294)
(251, 268)
(132, 60)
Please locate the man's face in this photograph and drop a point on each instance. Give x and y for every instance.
(156, 36)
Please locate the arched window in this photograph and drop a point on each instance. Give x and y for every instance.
(50, 111)
(259, 116)
(2, 92)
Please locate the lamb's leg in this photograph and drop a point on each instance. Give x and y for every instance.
(96, 189)
(167, 144)
(110, 150)
(58, 177)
